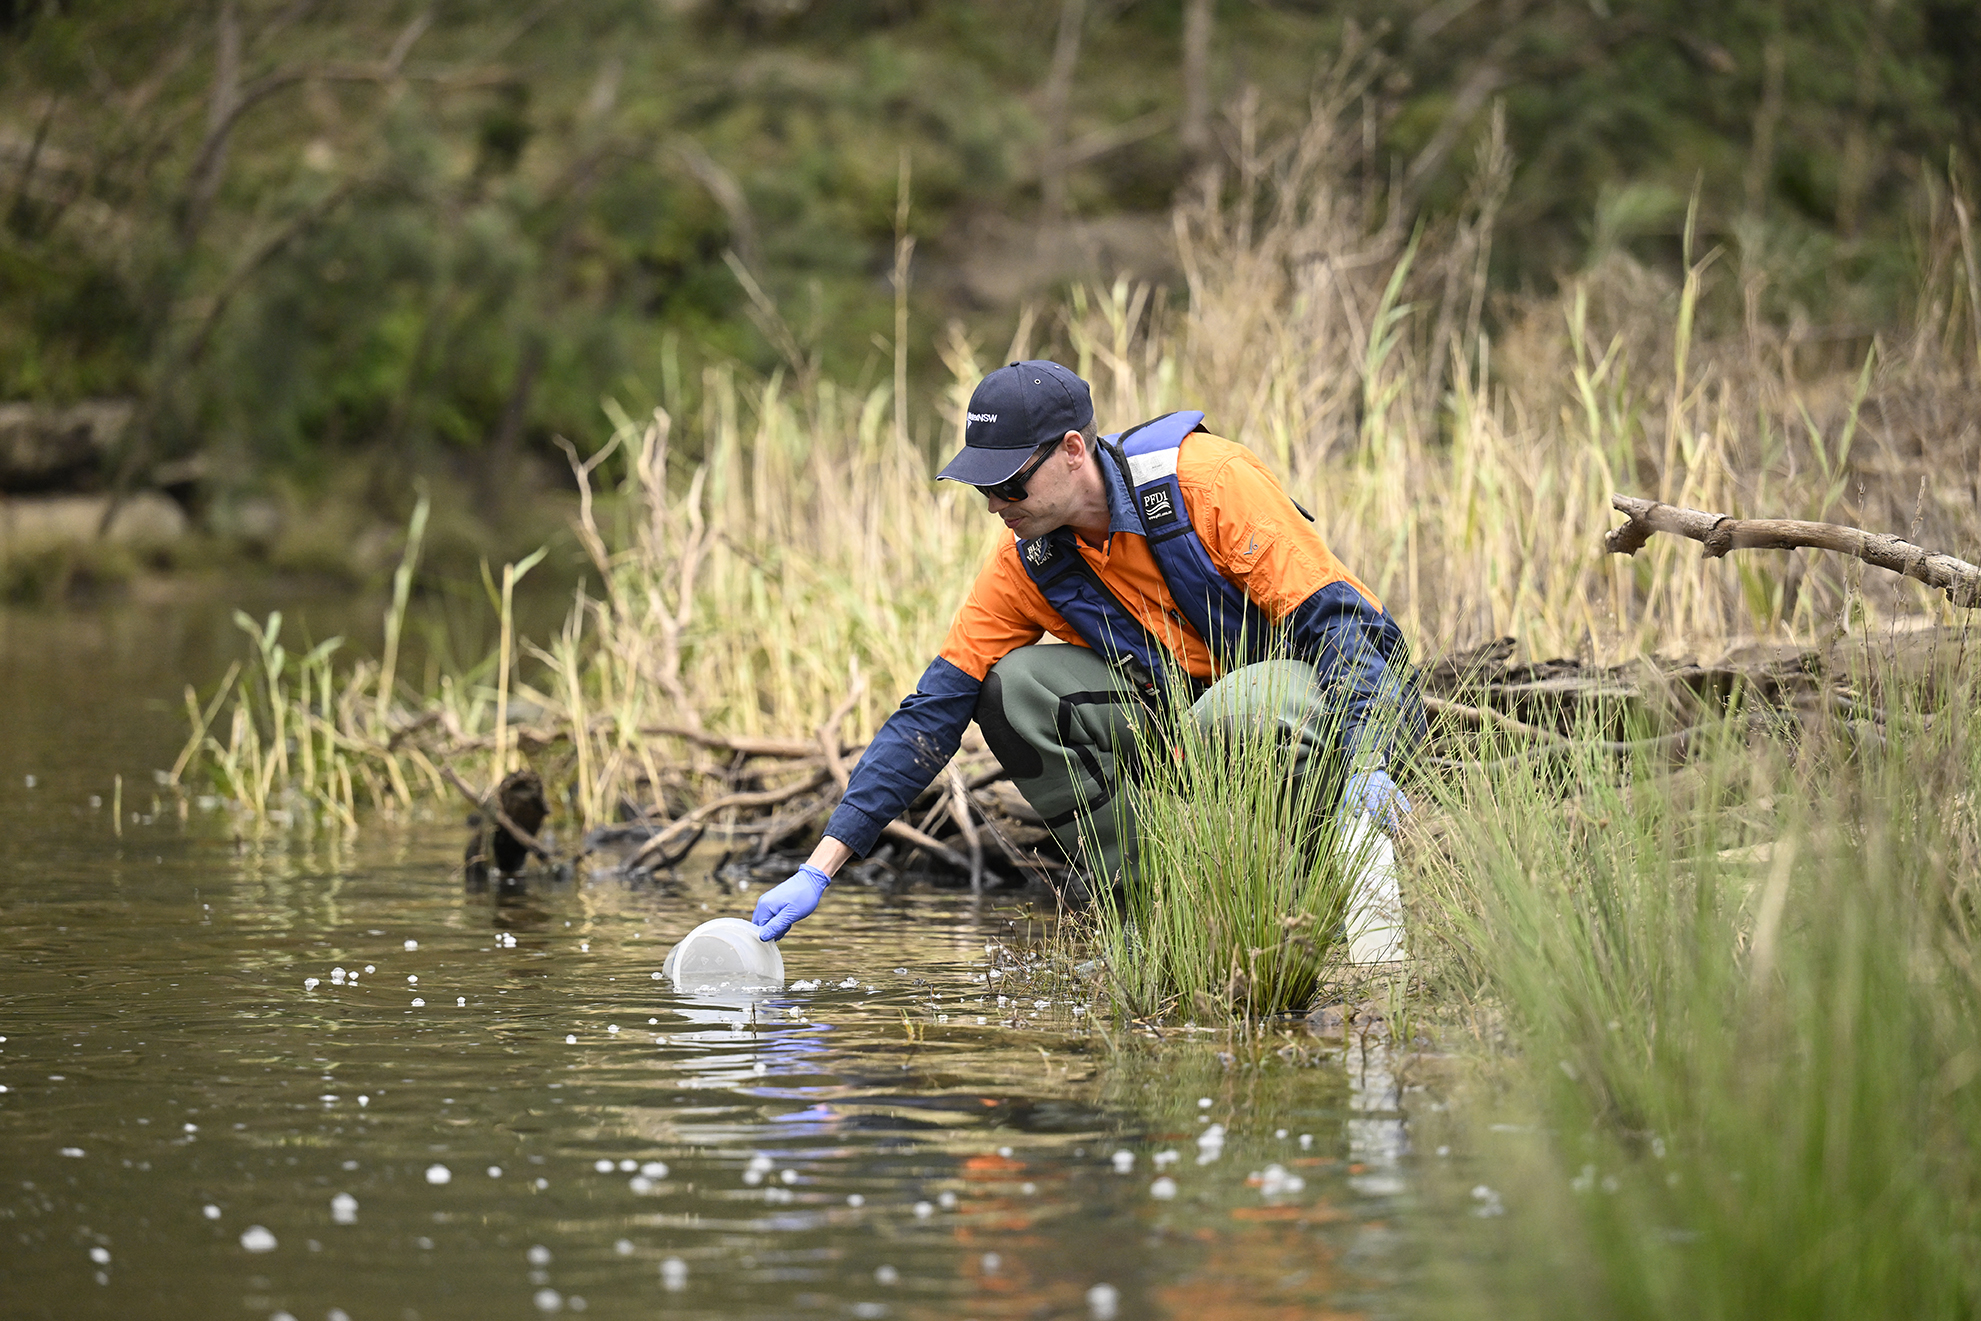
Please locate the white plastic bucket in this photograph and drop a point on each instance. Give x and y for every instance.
(724, 951)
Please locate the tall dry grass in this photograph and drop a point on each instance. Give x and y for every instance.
(781, 544)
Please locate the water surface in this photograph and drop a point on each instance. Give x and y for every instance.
(506, 1114)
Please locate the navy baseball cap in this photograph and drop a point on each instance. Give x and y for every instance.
(1015, 410)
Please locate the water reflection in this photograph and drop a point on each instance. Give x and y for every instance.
(497, 1109)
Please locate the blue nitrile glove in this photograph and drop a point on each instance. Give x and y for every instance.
(788, 901)
(1375, 793)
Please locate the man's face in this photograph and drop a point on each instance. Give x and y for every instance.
(1048, 501)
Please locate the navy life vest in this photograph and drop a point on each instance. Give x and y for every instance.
(1236, 631)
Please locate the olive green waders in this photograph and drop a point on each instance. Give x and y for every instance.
(1064, 724)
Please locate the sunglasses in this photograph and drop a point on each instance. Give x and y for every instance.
(1012, 488)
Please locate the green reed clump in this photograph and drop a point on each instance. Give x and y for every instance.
(301, 735)
(1238, 882)
(1747, 1000)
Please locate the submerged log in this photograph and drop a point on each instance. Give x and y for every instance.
(1720, 533)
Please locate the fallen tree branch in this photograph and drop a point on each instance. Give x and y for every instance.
(494, 809)
(828, 733)
(688, 820)
(964, 803)
(1680, 739)
(750, 745)
(1720, 533)
(1487, 716)
(935, 848)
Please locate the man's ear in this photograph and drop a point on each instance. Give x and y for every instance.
(1076, 447)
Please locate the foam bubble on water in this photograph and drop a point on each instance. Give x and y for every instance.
(411, 944)
(257, 1239)
(548, 1300)
(628, 1166)
(624, 1247)
(789, 1176)
(1203, 1103)
(1210, 1144)
(280, 1316)
(855, 1200)
(460, 1000)
(1028, 1188)
(210, 1211)
(1124, 1161)
(570, 1040)
(641, 1184)
(1163, 1189)
(538, 1255)
(344, 1209)
(1306, 1141)
(418, 1003)
(992, 1263)
(412, 979)
(370, 968)
(309, 983)
(495, 1171)
(674, 1274)
(886, 1275)
(923, 1210)
(1276, 1181)
(72, 1151)
(602, 1165)
(337, 1314)
(438, 1174)
(1004, 1152)
(1162, 1158)
(612, 1028)
(101, 1256)
(946, 1200)
(1103, 1300)
(364, 1100)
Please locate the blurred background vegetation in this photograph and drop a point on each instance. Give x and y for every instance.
(314, 251)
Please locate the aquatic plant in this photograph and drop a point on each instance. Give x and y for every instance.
(1744, 1001)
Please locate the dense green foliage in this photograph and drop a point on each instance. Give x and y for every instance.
(292, 229)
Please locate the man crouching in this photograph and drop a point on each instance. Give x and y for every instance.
(1181, 570)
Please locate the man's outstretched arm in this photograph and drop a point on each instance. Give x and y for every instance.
(916, 742)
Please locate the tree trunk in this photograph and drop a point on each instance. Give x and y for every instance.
(1196, 128)
(1058, 92)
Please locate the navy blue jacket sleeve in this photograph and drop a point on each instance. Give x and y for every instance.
(916, 742)
(1364, 666)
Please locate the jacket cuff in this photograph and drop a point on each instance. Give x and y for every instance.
(855, 829)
